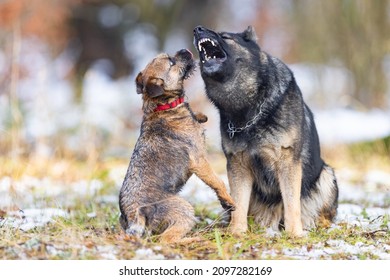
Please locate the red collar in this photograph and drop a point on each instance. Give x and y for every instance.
(171, 105)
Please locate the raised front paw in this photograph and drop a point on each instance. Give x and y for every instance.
(228, 204)
(200, 117)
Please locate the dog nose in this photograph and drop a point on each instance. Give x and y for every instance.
(199, 29)
(184, 53)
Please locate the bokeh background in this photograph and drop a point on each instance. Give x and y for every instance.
(67, 68)
(70, 116)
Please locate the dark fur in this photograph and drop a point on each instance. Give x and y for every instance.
(170, 149)
(272, 146)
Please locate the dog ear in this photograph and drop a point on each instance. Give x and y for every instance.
(154, 87)
(250, 34)
(139, 83)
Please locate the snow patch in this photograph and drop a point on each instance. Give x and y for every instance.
(147, 254)
(31, 218)
(349, 126)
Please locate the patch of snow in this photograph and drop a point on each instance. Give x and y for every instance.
(91, 215)
(332, 247)
(107, 252)
(349, 192)
(324, 84)
(375, 178)
(31, 218)
(272, 233)
(269, 254)
(367, 194)
(52, 250)
(85, 187)
(348, 126)
(31, 192)
(346, 209)
(147, 254)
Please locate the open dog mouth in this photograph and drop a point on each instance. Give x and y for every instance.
(209, 49)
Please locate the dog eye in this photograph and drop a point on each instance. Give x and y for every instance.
(226, 36)
(171, 62)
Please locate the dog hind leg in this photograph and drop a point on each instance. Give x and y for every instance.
(176, 216)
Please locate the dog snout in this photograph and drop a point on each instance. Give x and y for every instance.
(199, 29)
(184, 54)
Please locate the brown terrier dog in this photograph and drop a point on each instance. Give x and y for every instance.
(170, 149)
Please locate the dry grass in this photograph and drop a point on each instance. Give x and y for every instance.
(98, 236)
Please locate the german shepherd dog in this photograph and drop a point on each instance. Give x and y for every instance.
(170, 148)
(269, 138)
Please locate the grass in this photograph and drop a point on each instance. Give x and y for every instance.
(84, 237)
(91, 229)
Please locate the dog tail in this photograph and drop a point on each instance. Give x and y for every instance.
(321, 206)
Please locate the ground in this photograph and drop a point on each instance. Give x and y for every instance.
(68, 209)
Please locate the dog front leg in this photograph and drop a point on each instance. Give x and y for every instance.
(203, 170)
(241, 183)
(290, 180)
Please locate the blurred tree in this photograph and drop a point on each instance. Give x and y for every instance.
(95, 29)
(353, 33)
(18, 19)
(99, 27)
(41, 18)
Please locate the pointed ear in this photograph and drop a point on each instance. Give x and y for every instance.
(249, 34)
(139, 83)
(154, 87)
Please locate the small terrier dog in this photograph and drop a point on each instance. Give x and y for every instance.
(170, 148)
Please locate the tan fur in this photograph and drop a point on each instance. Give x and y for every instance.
(240, 181)
(289, 175)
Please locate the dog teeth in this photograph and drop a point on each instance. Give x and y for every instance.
(201, 41)
(205, 40)
(207, 58)
(203, 50)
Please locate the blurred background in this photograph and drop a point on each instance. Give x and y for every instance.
(67, 69)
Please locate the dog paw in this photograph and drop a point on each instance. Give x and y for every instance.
(135, 230)
(300, 234)
(238, 229)
(228, 206)
(297, 233)
(200, 117)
